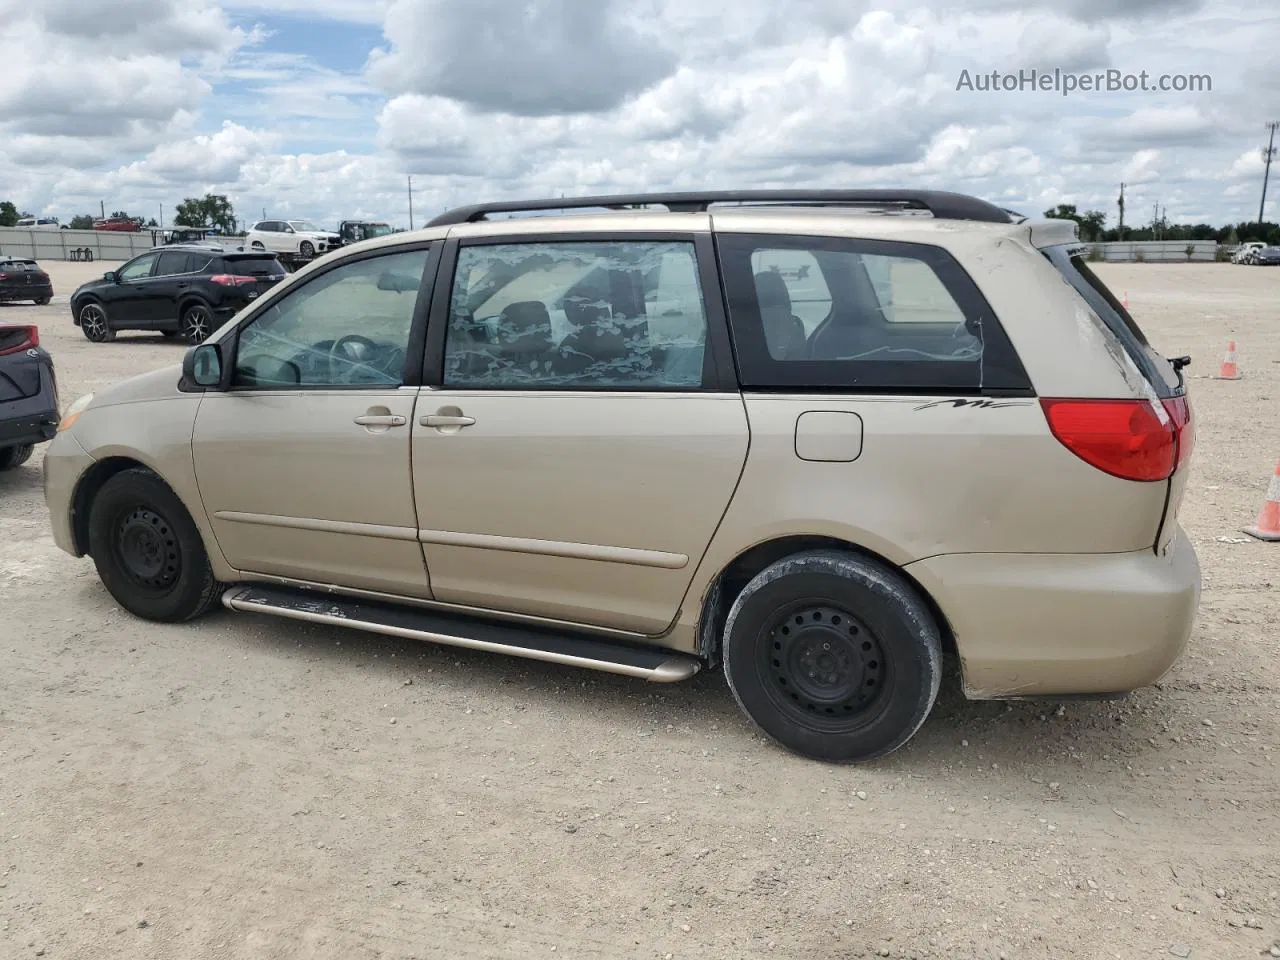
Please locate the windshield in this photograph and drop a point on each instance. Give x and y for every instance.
(305, 226)
(377, 230)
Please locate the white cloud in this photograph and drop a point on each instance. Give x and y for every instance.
(493, 98)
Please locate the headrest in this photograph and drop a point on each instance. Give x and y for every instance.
(525, 327)
(771, 291)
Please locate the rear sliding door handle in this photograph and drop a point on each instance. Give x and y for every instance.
(381, 420)
(446, 420)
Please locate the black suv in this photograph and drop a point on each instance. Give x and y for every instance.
(182, 290)
(28, 394)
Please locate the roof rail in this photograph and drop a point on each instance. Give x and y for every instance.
(943, 205)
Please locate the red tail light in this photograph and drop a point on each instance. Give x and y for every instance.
(1142, 440)
(231, 279)
(15, 339)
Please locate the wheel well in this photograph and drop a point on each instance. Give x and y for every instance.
(78, 304)
(188, 301)
(726, 587)
(87, 489)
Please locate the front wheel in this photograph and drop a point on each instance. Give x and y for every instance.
(43, 301)
(94, 323)
(306, 250)
(197, 323)
(148, 551)
(833, 655)
(11, 457)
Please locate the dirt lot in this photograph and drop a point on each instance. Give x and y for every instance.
(250, 788)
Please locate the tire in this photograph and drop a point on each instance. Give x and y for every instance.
(43, 301)
(196, 324)
(148, 551)
(834, 656)
(11, 457)
(94, 323)
(257, 245)
(306, 250)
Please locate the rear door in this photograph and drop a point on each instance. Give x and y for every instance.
(575, 450)
(170, 280)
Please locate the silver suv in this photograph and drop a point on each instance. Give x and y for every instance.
(816, 437)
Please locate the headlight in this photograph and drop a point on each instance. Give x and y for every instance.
(73, 412)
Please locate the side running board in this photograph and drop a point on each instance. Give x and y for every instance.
(533, 643)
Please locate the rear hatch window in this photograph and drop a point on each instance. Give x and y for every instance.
(256, 266)
(1159, 372)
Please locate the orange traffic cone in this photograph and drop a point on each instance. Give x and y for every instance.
(1229, 369)
(1268, 525)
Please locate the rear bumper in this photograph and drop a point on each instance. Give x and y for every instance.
(32, 419)
(32, 292)
(1070, 624)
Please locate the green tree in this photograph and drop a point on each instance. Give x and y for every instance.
(1064, 211)
(1092, 223)
(8, 213)
(81, 221)
(212, 210)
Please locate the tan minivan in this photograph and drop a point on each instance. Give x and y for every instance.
(817, 437)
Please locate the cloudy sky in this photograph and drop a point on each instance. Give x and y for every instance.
(322, 108)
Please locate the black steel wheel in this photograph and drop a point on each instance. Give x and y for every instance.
(94, 323)
(11, 457)
(835, 656)
(148, 550)
(197, 323)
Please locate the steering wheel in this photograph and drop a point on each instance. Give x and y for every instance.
(348, 354)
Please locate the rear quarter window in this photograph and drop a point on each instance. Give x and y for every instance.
(849, 315)
(1069, 259)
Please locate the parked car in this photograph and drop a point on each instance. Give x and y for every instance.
(300, 239)
(118, 225)
(28, 394)
(1267, 257)
(653, 442)
(356, 231)
(38, 223)
(182, 291)
(22, 278)
(1245, 252)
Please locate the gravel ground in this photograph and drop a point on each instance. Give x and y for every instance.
(250, 788)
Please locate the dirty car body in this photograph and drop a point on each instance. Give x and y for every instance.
(817, 439)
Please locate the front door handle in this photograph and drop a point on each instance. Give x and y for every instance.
(446, 420)
(381, 420)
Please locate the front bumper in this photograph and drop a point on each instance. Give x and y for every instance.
(65, 462)
(1036, 625)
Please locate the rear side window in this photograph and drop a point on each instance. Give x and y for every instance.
(1071, 263)
(171, 263)
(861, 315)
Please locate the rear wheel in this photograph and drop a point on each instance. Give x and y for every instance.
(148, 551)
(833, 655)
(43, 301)
(197, 323)
(11, 457)
(94, 323)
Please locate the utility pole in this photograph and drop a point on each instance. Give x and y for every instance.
(1266, 174)
(102, 205)
(1120, 229)
(162, 216)
(410, 203)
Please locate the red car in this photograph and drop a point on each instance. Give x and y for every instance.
(118, 224)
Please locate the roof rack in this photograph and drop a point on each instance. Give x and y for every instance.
(943, 205)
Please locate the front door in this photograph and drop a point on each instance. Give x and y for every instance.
(578, 450)
(303, 465)
(130, 301)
